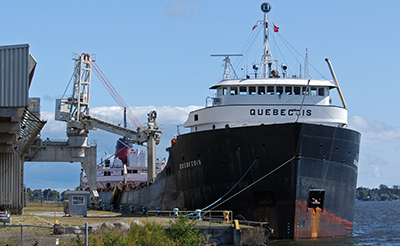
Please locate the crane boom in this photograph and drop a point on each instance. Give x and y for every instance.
(75, 111)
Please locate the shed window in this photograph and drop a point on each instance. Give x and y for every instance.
(77, 200)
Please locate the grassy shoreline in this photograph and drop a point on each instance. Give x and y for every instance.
(46, 216)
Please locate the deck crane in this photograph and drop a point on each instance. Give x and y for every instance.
(75, 111)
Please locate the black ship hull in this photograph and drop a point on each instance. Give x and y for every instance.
(301, 178)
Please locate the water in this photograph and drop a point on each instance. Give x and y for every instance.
(375, 223)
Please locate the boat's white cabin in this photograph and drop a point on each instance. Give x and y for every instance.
(255, 101)
(272, 91)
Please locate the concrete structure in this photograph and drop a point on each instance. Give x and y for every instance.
(18, 126)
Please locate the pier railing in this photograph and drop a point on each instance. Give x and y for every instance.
(211, 216)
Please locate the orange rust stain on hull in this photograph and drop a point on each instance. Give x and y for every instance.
(317, 223)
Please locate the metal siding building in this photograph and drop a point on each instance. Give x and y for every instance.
(18, 127)
(11, 182)
(16, 71)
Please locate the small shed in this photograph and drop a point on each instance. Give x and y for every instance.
(77, 203)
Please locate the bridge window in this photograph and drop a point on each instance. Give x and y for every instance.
(222, 91)
(234, 90)
(321, 91)
(297, 90)
(242, 90)
(305, 90)
(313, 91)
(219, 92)
(279, 90)
(288, 90)
(270, 90)
(261, 90)
(252, 90)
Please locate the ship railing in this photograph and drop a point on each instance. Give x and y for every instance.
(180, 129)
(212, 101)
(210, 216)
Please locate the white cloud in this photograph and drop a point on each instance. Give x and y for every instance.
(183, 8)
(52, 129)
(374, 132)
(66, 175)
(166, 116)
(377, 171)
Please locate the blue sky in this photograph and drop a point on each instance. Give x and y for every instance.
(157, 55)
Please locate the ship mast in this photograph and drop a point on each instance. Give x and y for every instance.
(267, 57)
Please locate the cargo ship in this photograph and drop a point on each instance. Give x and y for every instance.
(270, 147)
(126, 168)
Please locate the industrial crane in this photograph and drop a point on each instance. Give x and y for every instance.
(74, 110)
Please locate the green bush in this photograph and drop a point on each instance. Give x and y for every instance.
(3, 243)
(182, 233)
(149, 234)
(113, 238)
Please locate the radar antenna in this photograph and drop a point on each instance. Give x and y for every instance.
(228, 66)
(306, 67)
(267, 57)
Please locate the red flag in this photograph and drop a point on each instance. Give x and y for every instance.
(254, 27)
(276, 29)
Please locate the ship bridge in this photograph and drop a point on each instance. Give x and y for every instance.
(272, 100)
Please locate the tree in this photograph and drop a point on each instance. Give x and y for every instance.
(385, 197)
(394, 197)
(50, 195)
(362, 194)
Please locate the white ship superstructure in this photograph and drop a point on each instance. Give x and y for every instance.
(132, 175)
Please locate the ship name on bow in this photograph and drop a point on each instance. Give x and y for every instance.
(189, 164)
(281, 112)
